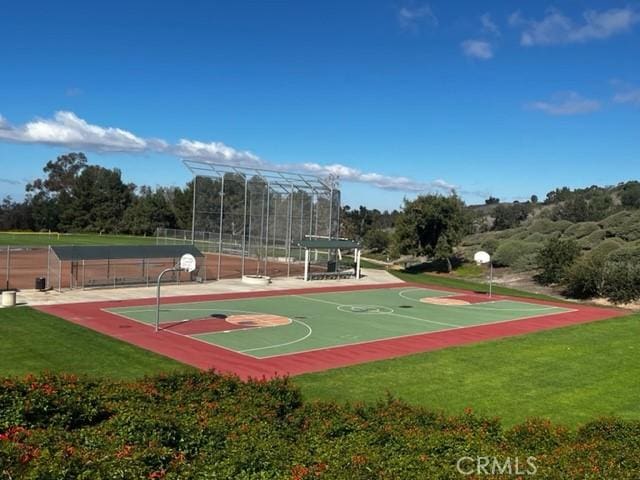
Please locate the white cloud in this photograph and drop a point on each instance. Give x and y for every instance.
(68, 130)
(386, 182)
(488, 25)
(477, 49)
(566, 103)
(411, 17)
(556, 28)
(215, 152)
(626, 93)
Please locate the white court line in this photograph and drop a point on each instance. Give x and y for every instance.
(393, 314)
(425, 320)
(401, 294)
(479, 306)
(283, 344)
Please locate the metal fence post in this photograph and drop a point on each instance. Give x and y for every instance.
(220, 226)
(8, 265)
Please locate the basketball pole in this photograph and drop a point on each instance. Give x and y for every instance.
(490, 278)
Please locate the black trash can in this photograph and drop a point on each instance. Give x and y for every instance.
(41, 283)
(332, 266)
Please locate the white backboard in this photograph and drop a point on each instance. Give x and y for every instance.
(481, 257)
(188, 262)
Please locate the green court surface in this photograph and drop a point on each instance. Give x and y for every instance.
(321, 320)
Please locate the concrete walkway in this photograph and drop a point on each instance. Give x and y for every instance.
(34, 297)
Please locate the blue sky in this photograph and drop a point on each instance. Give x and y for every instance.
(398, 97)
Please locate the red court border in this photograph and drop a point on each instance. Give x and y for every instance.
(206, 356)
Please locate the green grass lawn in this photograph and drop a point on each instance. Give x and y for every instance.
(44, 239)
(444, 280)
(33, 341)
(569, 375)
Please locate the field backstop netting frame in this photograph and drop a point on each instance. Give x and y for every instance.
(252, 219)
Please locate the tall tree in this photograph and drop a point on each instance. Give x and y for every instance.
(426, 219)
(150, 210)
(51, 195)
(99, 200)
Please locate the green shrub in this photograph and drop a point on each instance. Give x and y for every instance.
(592, 240)
(622, 275)
(509, 251)
(205, 425)
(555, 259)
(537, 238)
(546, 226)
(525, 263)
(582, 229)
(607, 246)
(490, 245)
(616, 220)
(625, 225)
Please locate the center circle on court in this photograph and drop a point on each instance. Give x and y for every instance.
(365, 309)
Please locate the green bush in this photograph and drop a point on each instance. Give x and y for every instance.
(537, 238)
(509, 251)
(622, 275)
(525, 263)
(592, 240)
(555, 259)
(546, 226)
(625, 225)
(490, 245)
(205, 425)
(617, 219)
(608, 271)
(582, 229)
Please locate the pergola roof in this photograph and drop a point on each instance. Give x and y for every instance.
(331, 244)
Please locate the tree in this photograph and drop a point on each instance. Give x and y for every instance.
(555, 259)
(509, 216)
(98, 202)
(15, 216)
(50, 196)
(149, 211)
(630, 196)
(534, 199)
(424, 220)
(492, 201)
(443, 251)
(377, 240)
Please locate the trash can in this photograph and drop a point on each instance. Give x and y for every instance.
(9, 298)
(41, 283)
(332, 266)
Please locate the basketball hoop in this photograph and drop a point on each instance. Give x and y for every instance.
(482, 258)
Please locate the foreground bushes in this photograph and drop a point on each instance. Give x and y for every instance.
(204, 425)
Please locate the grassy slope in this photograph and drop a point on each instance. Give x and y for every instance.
(33, 341)
(44, 239)
(570, 375)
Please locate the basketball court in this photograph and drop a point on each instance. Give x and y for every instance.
(296, 331)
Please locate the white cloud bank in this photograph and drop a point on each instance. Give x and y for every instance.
(479, 49)
(556, 28)
(566, 103)
(67, 130)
